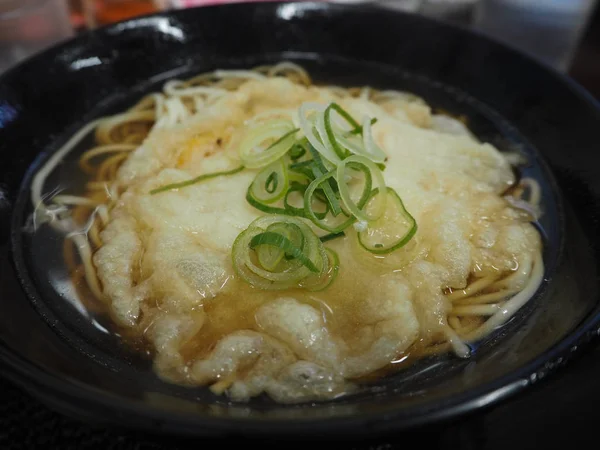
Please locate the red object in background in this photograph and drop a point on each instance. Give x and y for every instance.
(109, 11)
(76, 14)
(93, 13)
(191, 3)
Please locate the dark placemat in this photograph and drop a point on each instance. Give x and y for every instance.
(25, 423)
(559, 412)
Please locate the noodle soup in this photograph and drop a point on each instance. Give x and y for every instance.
(267, 235)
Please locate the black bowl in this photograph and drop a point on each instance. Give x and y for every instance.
(511, 101)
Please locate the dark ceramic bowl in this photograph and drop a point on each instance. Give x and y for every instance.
(59, 355)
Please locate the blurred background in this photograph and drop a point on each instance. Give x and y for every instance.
(563, 33)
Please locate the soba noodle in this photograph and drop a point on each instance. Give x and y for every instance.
(446, 287)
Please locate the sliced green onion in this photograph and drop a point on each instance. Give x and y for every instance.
(327, 276)
(292, 232)
(351, 143)
(356, 145)
(334, 203)
(316, 161)
(300, 211)
(346, 115)
(295, 188)
(308, 128)
(328, 141)
(356, 161)
(331, 236)
(373, 151)
(302, 170)
(342, 139)
(264, 207)
(270, 256)
(306, 259)
(198, 179)
(393, 230)
(329, 134)
(303, 165)
(335, 227)
(244, 267)
(297, 152)
(298, 177)
(271, 183)
(281, 242)
(288, 209)
(359, 129)
(330, 188)
(319, 195)
(280, 251)
(251, 150)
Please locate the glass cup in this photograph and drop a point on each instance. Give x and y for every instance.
(29, 26)
(547, 29)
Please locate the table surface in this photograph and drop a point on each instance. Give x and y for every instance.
(559, 412)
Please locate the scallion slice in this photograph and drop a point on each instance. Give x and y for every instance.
(297, 152)
(306, 256)
(333, 226)
(334, 203)
(283, 243)
(269, 209)
(292, 232)
(373, 151)
(359, 129)
(308, 125)
(360, 162)
(318, 177)
(394, 229)
(347, 117)
(330, 135)
(331, 236)
(199, 179)
(328, 274)
(270, 256)
(252, 149)
(271, 183)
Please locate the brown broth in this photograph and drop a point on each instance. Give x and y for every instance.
(235, 308)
